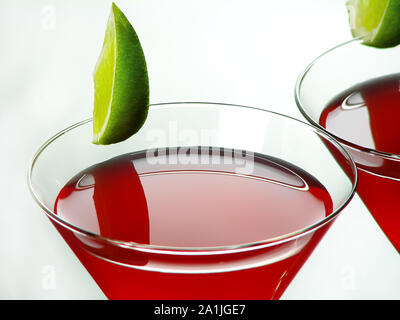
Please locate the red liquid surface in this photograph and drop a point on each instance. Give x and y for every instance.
(194, 205)
(368, 115)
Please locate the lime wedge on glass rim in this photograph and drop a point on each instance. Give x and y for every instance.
(376, 21)
(121, 83)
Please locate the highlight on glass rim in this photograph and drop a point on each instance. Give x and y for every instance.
(167, 158)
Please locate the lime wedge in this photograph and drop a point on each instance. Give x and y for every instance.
(121, 83)
(376, 21)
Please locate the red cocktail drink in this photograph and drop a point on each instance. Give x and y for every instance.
(152, 219)
(357, 99)
(368, 114)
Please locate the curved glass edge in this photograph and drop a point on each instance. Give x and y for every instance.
(310, 119)
(198, 250)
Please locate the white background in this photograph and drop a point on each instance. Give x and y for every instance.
(242, 52)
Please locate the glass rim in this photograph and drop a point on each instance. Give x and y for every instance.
(300, 106)
(151, 248)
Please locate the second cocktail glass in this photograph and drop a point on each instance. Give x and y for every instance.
(353, 92)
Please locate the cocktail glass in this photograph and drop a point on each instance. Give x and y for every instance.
(259, 269)
(332, 73)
